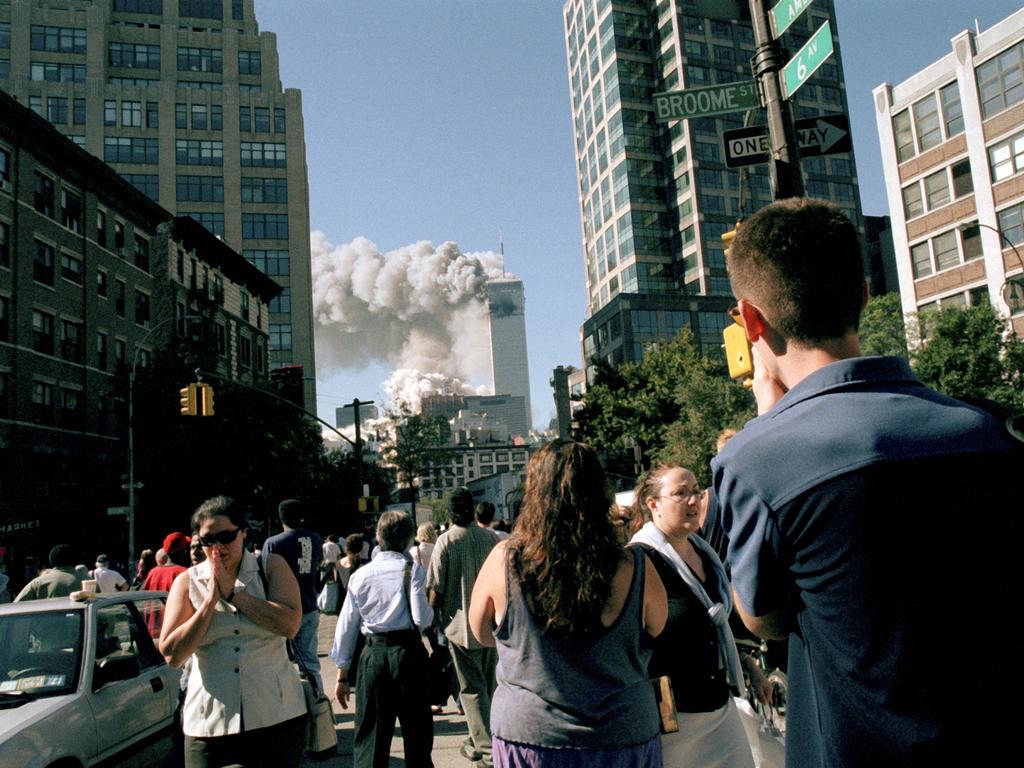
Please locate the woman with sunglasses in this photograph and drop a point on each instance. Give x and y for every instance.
(697, 650)
(244, 704)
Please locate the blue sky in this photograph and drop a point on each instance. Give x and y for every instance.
(448, 120)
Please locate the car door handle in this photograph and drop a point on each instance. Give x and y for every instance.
(156, 683)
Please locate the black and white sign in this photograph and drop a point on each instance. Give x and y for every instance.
(825, 135)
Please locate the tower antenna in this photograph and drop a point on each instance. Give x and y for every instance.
(501, 250)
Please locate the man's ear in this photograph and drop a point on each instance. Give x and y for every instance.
(754, 321)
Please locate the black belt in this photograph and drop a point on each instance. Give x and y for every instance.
(397, 637)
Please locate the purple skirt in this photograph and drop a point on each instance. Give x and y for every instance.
(511, 754)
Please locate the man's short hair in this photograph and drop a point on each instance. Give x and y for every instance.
(484, 512)
(395, 530)
(290, 513)
(799, 262)
(460, 507)
(60, 556)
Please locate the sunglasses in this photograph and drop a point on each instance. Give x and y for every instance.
(221, 537)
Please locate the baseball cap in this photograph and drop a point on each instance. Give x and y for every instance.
(175, 542)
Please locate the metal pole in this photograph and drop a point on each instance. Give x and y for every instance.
(1007, 281)
(358, 445)
(787, 180)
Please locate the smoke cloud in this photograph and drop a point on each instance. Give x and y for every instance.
(418, 308)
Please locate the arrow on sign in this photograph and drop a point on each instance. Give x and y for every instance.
(824, 135)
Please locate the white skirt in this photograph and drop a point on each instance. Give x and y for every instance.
(708, 740)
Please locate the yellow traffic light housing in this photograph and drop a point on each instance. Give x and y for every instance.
(205, 399)
(189, 400)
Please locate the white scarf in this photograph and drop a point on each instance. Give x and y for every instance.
(718, 612)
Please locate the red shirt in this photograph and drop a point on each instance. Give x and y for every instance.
(160, 578)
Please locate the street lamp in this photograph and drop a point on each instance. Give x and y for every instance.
(131, 430)
(1012, 289)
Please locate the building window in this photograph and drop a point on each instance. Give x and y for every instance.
(101, 283)
(282, 303)
(71, 267)
(42, 332)
(274, 263)
(101, 228)
(5, 168)
(279, 119)
(110, 112)
(261, 119)
(1006, 158)
(141, 308)
(280, 336)
(42, 402)
(927, 124)
(260, 189)
(134, 55)
(57, 39)
(201, 189)
(913, 205)
(119, 237)
(195, 152)
(218, 289)
(57, 110)
(265, 226)
(120, 297)
(71, 210)
(952, 111)
(945, 251)
(4, 315)
(971, 242)
(200, 60)
(43, 195)
(152, 114)
(244, 305)
(1001, 81)
(249, 63)
(201, 9)
(1010, 223)
(220, 337)
(142, 253)
(245, 119)
(42, 263)
(154, 7)
(244, 351)
(181, 115)
(262, 154)
(120, 352)
(123, 149)
(936, 189)
(71, 341)
(963, 183)
(213, 221)
(944, 248)
(5, 244)
(131, 114)
(147, 183)
(904, 135)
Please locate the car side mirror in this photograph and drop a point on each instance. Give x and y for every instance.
(114, 668)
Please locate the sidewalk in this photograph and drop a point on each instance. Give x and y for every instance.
(449, 728)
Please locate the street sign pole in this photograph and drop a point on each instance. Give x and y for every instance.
(787, 180)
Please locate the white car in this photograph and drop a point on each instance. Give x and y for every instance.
(83, 682)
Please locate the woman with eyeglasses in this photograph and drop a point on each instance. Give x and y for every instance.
(570, 610)
(697, 650)
(244, 704)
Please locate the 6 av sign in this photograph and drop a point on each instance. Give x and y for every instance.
(707, 101)
(807, 60)
(825, 135)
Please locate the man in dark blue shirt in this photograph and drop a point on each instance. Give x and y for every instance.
(847, 508)
(303, 550)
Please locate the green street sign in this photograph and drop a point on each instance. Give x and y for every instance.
(706, 101)
(786, 12)
(807, 60)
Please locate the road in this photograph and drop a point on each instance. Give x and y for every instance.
(449, 727)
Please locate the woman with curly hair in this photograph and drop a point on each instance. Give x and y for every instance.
(567, 607)
(697, 650)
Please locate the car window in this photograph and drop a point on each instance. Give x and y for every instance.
(40, 652)
(121, 632)
(149, 618)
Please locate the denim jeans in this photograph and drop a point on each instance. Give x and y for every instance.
(305, 645)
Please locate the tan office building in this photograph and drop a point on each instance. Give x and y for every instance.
(952, 140)
(183, 98)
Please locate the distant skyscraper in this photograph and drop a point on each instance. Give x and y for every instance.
(656, 198)
(184, 100)
(506, 307)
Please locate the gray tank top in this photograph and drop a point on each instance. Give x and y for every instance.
(558, 690)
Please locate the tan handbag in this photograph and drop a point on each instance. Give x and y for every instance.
(666, 703)
(321, 738)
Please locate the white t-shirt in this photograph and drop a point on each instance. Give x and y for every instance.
(332, 552)
(107, 580)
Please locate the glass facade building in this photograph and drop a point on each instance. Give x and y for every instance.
(655, 198)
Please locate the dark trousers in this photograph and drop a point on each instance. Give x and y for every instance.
(273, 747)
(392, 682)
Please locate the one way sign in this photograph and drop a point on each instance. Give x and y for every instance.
(825, 135)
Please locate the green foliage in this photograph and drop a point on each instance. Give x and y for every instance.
(673, 404)
(882, 329)
(970, 352)
(417, 444)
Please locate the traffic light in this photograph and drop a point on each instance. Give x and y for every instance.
(189, 400)
(205, 399)
(728, 236)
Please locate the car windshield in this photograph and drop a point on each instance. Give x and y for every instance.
(40, 653)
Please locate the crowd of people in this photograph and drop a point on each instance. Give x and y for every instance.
(603, 634)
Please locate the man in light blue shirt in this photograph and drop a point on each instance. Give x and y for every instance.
(387, 603)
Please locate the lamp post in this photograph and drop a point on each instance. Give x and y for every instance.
(132, 485)
(1014, 283)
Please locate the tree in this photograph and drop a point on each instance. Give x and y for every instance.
(673, 404)
(417, 444)
(971, 352)
(882, 328)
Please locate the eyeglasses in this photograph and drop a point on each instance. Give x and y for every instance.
(220, 537)
(734, 313)
(682, 495)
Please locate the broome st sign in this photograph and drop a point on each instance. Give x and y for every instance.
(707, 101)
